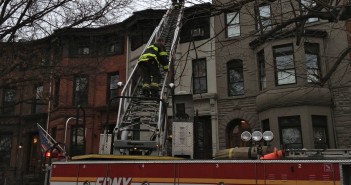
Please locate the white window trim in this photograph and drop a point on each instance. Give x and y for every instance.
(233, 23)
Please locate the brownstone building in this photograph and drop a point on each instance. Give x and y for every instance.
(66, 83)
(276, 84)
(68, 79)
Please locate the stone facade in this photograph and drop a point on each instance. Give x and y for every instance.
(267, 101)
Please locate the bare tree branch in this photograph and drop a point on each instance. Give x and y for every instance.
(24, 17)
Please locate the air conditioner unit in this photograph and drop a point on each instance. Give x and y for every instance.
(198, 32)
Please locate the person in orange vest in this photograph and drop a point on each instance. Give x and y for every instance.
(149, 62)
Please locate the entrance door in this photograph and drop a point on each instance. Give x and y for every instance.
(203, 138)
(234, 130)
(34, 155)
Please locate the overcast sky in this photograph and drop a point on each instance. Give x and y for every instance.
(138, 5)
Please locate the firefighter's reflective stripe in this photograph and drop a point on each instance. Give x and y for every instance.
(155, 52)
(147, 56)
(146, 86)
(164, 53)
(153, 85)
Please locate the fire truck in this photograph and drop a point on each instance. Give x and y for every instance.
(137, 153)
(331, 167)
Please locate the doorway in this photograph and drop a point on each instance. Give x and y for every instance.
(203, 138)
(233, 133)
(34, 155)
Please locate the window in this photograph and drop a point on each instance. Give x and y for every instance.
(39, 92)
(83, 50)
(140, 34)
(37, 100)
(44, 62)
(312, 62)
(57, 92)
(77, 140)
(80, 90)
(265, 127)
(233, 23)
(53, 132)
(200, 76)
(9, 101)
(284, 64)
(261, 70)
(235, 78)
(198, 32)
(305, 5)
(113, 79)
(180, 112)
(5, 149)
(320, 134)
(264, 17)
(115, 48)
(136, 38)
(180, 108)
(290, 131)
(195, 29)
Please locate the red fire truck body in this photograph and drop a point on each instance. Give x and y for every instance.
(202, 172)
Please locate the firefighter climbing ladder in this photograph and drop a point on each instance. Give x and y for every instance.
(142, 122)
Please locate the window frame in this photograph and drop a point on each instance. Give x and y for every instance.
(57, 91)
(261, 62)
(308, 4)
(9, 107)
(76, 94)
(237, 66)
(277, 71)
(312, 77)
(110, 90)
(37, 103)
(197, 32)
(116, 47)
(319, 121)
(286, 122)
(260, 17)
(180, 112)
(199, 79)
(5, 154)
(265, 125)
(83, 50)
(77, 147)
(233, 23)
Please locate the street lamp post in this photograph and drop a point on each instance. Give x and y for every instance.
(64, 141)
(106, 130)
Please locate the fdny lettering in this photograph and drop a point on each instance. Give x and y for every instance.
(114, 181)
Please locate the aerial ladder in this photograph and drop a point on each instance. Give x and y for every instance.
(141, 127)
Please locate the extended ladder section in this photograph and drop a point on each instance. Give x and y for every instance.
(318, 154)
(142, 122)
